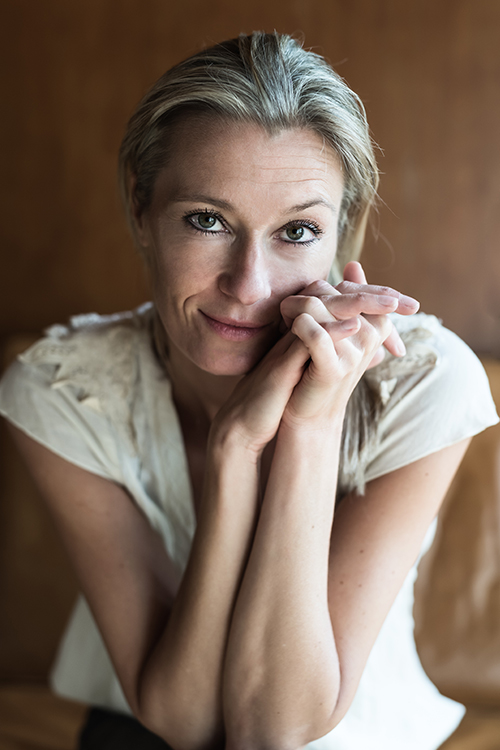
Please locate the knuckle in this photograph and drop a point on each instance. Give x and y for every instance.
(360, 297)
(370, 335)
(299, 322)
(312, 304)
(386, 290)
(318, 335)
(318, 287)
(344, 287)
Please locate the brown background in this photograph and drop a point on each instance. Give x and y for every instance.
(71, 73)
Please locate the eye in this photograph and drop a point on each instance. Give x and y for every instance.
(300, 233)
(207, 222)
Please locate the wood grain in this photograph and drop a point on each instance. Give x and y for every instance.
(71, 74)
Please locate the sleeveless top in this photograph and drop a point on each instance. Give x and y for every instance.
(94, 393)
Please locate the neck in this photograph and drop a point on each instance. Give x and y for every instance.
(196, 392)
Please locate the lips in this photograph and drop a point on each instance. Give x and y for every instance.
(233, 330)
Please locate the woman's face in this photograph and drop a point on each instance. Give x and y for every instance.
(239, 220)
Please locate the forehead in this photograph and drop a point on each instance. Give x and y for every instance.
(232, 157)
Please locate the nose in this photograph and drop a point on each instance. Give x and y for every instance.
(247, 276)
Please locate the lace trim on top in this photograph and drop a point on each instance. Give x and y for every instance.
(100, 362)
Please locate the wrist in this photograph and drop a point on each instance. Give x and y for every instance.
(327, 423)
(229, 445)
(230, 438)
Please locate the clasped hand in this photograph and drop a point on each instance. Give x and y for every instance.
(334, 334)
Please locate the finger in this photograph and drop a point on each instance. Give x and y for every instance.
(378, 357)
(280, 348)
(341, 306)
(374, 332)
(389, 336)
(354, 272)
(394, 344)
(314, 306)
(318, 288)
(298, 304)
(342, 329)
(406, 305)
(317, 341)
(345, 306)
(294, 358)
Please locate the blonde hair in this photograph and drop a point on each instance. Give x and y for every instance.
(269, 80)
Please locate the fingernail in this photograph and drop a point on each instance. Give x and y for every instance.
(404, 299)
(387, 301)
(400, 348)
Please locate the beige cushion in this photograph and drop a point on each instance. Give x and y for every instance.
(479, 730)
(457, 606)
(31, 718)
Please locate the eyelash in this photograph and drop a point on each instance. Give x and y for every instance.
(307, 223)
(205, 212)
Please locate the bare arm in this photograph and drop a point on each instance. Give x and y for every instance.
(167, 639)
(310, 607)
(309, 611)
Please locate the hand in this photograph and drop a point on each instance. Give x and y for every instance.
(351, 298)
(254, 410)
(353, 273)
(335, 369)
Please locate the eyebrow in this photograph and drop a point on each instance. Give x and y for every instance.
(315, 202)
(199, 198)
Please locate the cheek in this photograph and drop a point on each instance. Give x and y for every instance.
(182, 266)
(311, 268)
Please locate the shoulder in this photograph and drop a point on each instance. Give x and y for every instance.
(74, 385)
(91, 350)
(434, 397)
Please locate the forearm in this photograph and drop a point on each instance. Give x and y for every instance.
(181, 693)
(282, 675)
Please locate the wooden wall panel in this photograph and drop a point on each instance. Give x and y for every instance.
(72, 72)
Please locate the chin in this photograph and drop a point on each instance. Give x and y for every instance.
(227, 366)
(223, 358)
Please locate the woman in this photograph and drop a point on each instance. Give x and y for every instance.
(192, 451)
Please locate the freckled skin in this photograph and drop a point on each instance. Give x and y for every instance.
(255, 181)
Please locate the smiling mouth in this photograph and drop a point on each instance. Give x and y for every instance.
(233, 330)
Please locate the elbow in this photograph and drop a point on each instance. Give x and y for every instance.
(163, 724)
(173, 717)
(156, 721)
(156, 709)
(255, 729)
(177, 737)
(285, 739)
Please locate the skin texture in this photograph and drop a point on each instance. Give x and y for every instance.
(244, 270)
(268, 631)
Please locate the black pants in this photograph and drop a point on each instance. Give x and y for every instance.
(107, 730)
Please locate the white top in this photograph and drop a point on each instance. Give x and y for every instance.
(94, 393)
